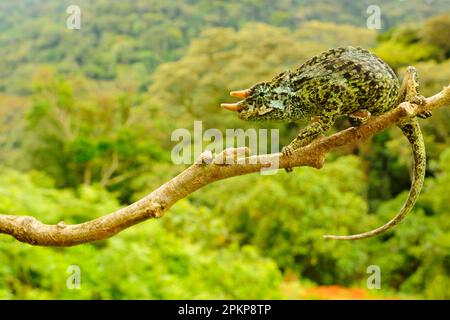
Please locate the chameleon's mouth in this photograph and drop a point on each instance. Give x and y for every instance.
(237, 106)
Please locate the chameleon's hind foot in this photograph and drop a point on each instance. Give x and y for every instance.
(287, 151)
(426, 114)
(410, 91)
(419, 100)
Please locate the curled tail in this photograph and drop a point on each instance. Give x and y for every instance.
(411, 130)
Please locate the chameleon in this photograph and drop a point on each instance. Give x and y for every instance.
(348, 81)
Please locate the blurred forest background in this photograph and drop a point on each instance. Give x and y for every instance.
(86, 118)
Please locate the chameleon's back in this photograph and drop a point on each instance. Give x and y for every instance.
(353, 78)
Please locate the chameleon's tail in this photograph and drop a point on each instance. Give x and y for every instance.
(411, 130)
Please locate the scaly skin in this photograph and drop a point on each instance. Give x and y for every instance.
(342, 81)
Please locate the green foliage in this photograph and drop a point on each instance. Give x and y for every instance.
(398, 54)
(85, 123)
(404, 45)
(416, 258)
(295, 211)
(436, 32)
(159, 264)
(142, 34)
(35, 194)
(286, 216)
(96, 138)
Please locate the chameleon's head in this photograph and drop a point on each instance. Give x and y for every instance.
(260, 102)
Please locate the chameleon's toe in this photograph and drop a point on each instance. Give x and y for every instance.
(287, 151)
(357, 121)
(419, 100)
(359, 117)
(425, 114)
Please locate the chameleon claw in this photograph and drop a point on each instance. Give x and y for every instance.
(287, 151)
(426, 114)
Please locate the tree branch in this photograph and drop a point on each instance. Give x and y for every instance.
(206, 170)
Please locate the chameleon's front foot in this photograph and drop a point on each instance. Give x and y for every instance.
(286, 152)
(319, 125)
(419, 100)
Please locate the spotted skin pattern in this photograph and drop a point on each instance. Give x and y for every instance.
(342, 81)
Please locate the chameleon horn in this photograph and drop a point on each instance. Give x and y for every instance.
(240, 94)
(231, 106)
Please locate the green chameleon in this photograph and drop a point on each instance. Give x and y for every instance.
(342, 81)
